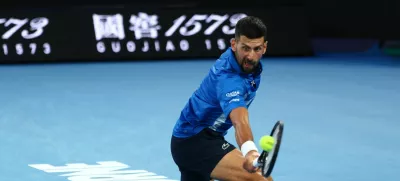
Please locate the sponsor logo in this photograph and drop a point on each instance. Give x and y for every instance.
(19, 36)
(234, 100)
(225, 146)
(153, 33)
(232, 94)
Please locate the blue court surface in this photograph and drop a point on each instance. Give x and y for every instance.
(113, 121)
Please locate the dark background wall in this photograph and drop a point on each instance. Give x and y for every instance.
(332, 18)
(294, 25)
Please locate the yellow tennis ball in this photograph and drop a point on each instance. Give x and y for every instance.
(267, 143)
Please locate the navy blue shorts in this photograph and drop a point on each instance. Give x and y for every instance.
(198, 155)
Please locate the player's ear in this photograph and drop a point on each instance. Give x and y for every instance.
(233, 44)
(265, 46)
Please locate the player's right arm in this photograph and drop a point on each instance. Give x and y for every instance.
(231, 93)
(244, 136)
(240, 120)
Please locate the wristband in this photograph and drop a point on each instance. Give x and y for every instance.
(248, 146)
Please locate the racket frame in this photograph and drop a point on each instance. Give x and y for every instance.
(260, 162)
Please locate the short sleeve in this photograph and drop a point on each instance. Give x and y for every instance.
(230, 93)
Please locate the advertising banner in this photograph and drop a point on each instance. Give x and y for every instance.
(129, 33)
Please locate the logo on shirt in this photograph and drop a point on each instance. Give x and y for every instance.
(253, 84)
(232, 94)
(225, 146)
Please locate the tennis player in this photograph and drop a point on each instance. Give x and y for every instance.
(198, 145)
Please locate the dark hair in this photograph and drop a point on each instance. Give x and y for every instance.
(251, 27)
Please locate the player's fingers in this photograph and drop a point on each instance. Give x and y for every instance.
(259, 171)
(247, 165)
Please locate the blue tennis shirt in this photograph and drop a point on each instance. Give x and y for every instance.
(224, 88)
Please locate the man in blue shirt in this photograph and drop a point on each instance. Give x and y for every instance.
(198, 146)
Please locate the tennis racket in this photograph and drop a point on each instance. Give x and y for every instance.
(267, 160)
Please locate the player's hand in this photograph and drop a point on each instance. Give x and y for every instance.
(248, 163)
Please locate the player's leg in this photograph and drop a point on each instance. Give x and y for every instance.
(230, 168)
(195, 156)
(188, 175)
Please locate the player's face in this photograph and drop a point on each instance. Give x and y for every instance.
(248, 52)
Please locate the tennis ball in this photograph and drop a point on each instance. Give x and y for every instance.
(267, 142)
